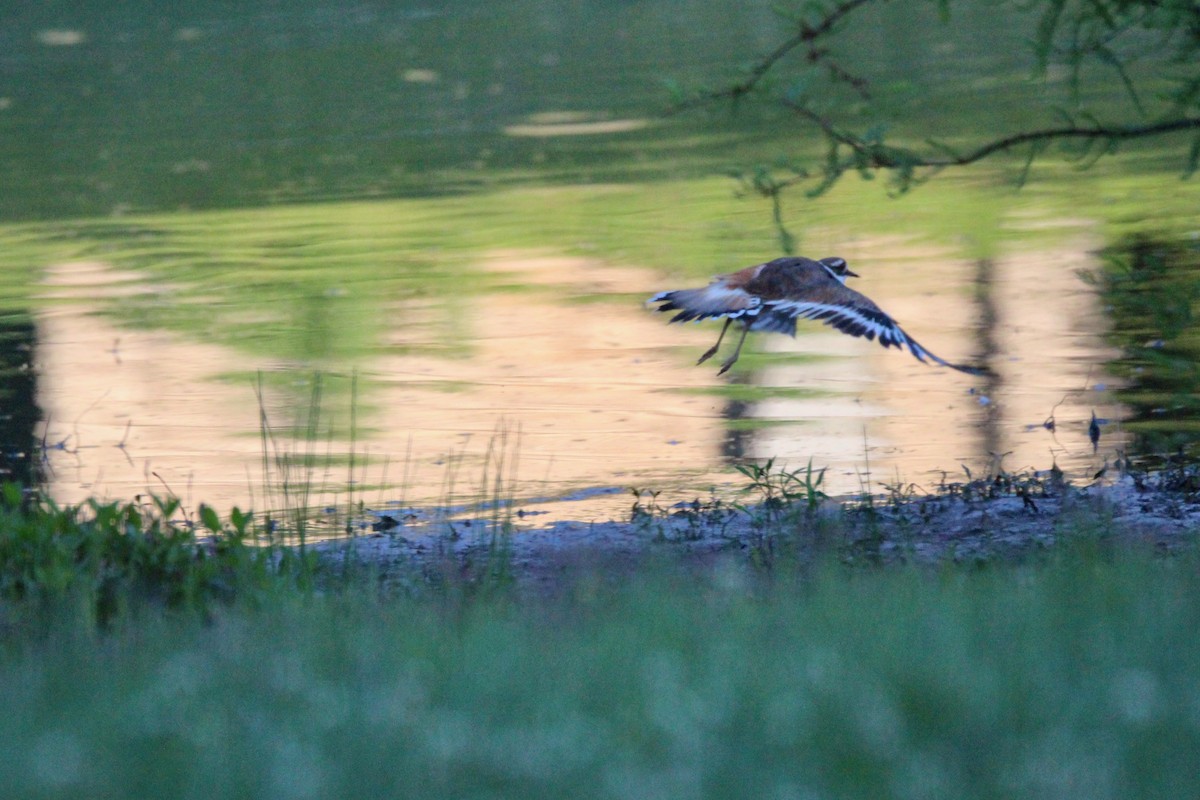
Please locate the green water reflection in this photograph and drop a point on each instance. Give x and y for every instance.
(1152, 286)
(161, 106)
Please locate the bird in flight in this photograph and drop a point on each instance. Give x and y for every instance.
(772, 296)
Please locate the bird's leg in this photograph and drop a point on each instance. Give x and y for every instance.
(712, 351)
(736, 352)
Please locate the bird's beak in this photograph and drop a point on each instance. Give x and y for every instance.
(850, 274)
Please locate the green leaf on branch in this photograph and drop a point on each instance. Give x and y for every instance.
(210, 519)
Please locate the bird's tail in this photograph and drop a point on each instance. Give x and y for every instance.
(921, 354)
(712, 301)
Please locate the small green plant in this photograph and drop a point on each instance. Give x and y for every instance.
(100, 561)
(1028, 486)
(780, 489)
(781, 495)
(645, 509)
(687, 521)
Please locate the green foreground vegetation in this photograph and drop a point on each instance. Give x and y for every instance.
(135, 665)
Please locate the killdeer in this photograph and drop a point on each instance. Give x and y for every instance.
(772, 296)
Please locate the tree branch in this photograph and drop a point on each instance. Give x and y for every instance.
(880, 156)
(867, 154)
(1110, 132)
(806, 34)
(1092, 27)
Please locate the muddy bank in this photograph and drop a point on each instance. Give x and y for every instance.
(998, 518)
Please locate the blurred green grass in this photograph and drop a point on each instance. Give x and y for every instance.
(1073, 675)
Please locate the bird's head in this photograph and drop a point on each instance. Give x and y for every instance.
(837, 268)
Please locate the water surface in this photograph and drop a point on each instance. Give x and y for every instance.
(555, 356)
(400, 255)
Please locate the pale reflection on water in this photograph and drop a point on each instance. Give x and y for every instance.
(598, 394)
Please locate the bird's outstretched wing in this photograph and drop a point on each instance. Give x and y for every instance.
(859, 318)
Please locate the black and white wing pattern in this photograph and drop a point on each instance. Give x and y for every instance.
(773, 295)
(850, 313)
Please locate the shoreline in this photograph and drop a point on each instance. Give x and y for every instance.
(1003, 517)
